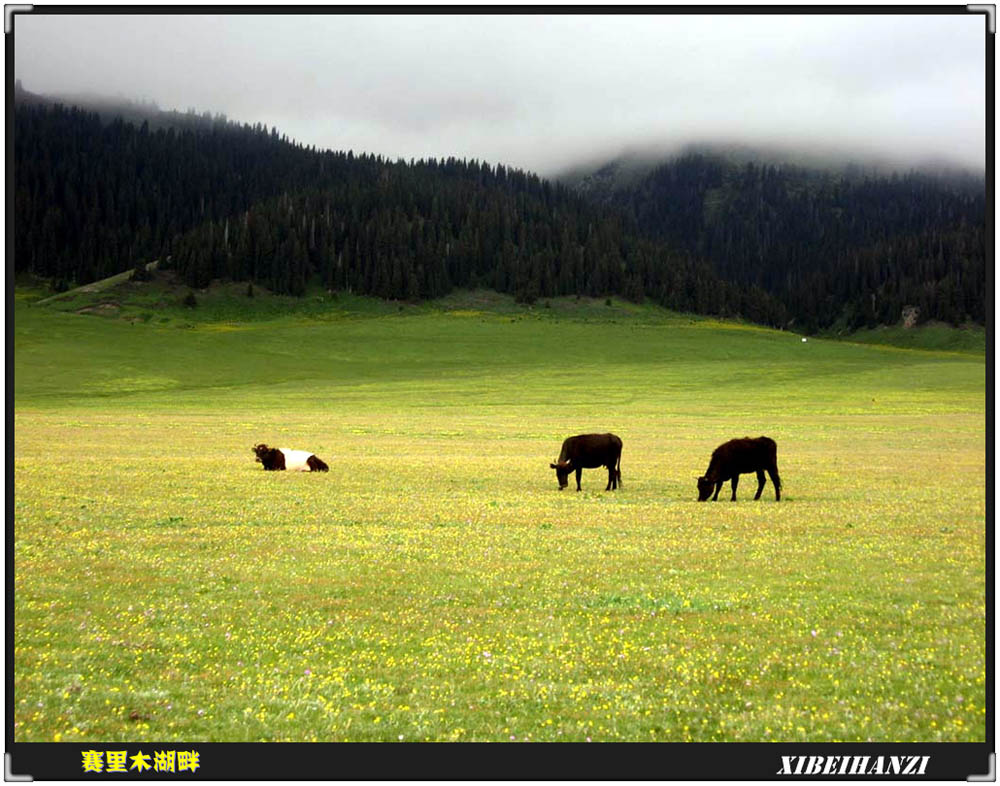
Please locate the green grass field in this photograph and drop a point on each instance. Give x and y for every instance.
(435, 585)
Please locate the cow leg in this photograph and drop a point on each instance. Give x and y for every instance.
(736, 481)
(760, 483)
(776, 482)
(718, 488)
(612, 481)
(579, 474)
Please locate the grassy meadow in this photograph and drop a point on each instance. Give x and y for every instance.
(435, 584)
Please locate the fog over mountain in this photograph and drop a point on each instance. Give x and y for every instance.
(543, 92)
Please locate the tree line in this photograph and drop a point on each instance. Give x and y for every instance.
(223, 200)
(845, 248)
(778, 245)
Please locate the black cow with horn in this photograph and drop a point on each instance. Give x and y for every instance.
(589, 451)
(738, 457)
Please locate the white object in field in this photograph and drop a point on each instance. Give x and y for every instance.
(804, 339)
(295, 460)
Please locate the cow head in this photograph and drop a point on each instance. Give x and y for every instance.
(261, 450)
(705, 487)
(562, 468)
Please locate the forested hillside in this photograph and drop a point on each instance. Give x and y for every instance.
(844, 247)
(241, 202)
(782, 245)
(94, 198)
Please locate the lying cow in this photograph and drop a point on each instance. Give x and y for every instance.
(588, 451)
(292, 460)
(738, 457)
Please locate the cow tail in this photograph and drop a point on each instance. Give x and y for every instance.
(774, 464)
(618, 470)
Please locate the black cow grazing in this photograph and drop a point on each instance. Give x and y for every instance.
(737, 457)
(292, 460)
(588, 451)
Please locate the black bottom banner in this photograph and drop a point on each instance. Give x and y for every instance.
(499, 761)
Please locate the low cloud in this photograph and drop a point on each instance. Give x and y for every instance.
(541, 91)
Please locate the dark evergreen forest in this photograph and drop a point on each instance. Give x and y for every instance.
(836, 247)
(94, 196)
(223, 200)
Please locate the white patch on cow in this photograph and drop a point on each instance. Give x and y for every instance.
(295, 460)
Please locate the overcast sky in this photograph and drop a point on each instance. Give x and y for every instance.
(540, 92)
